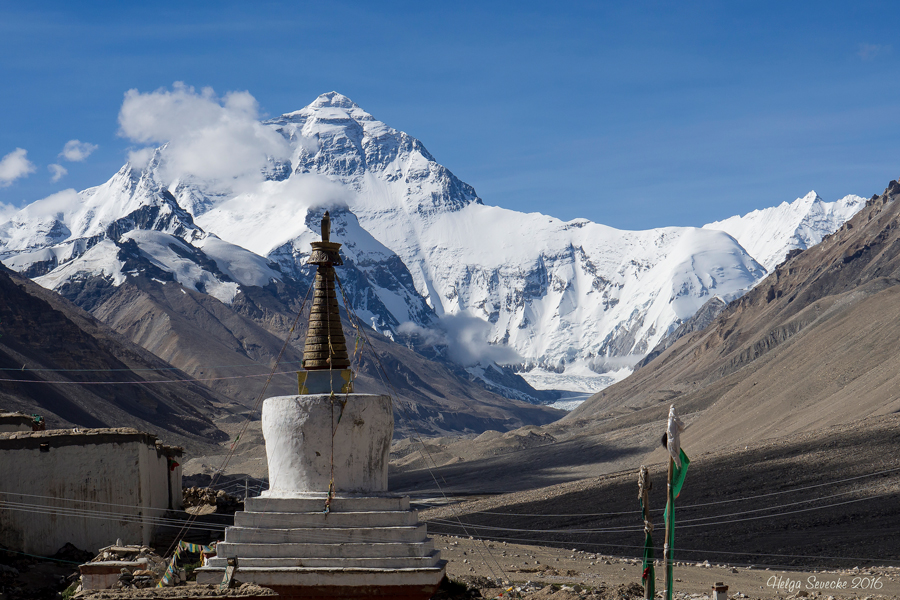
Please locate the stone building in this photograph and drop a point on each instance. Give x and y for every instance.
(88, 487)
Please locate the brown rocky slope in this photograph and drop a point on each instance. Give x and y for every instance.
(211, 340)
(815, 344)
(58, 361)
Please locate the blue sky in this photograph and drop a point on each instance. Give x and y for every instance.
(631, 114)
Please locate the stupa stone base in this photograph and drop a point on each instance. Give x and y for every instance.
(365, 546)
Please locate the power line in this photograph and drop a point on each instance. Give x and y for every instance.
(745, 512)
(187, 526)
(384, 379)
(145, 381)
(628, 529)
(624, 529)
(103, 516)
(322, 536)
(152, 370)
(790, 512)
(690, 506)
(81, 501)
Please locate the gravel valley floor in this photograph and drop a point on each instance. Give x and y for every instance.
(531, 570)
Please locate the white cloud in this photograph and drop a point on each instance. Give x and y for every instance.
(56, 205)
(58, 171)
(140, 158)
(872, 51)
(14, 165)
(429, 337)
(207, 136)
(466, 339)
(6, 212)
(75, 151)
(468, 345)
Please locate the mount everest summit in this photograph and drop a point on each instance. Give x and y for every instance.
(427, 263)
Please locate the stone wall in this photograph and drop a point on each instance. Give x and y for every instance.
(12, 422)
(88, 487)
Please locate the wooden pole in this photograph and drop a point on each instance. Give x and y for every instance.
(670, 514)
(645, 486)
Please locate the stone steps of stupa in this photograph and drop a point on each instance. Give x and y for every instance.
(424, 547)
(316, 503)
(290, 520)
(340, 578)
(329, 535)
(381, 562)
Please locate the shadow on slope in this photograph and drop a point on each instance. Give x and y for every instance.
(62, 363)
(825, 498)
(511, 471)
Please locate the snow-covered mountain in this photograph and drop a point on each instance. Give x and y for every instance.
(553, 292)
(426, 261)
(769, 234)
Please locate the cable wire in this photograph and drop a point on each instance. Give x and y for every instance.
(352, 316)
(255, 408)
(146, 381)
(689, 506)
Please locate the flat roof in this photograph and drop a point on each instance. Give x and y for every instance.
(15, 417)
(78, 436)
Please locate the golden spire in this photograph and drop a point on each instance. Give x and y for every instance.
(325, 346)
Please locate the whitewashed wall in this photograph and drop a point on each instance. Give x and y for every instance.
(120, 475)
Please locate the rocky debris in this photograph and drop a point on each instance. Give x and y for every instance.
(30, 577)
(493, 567)
(205, 500)
(140, 579)
(130, 553)
(482, 587)
(150, 570)
(246, 590)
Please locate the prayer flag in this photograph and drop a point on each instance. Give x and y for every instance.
(678, 475)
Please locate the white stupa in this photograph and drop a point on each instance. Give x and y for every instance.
(327, 526)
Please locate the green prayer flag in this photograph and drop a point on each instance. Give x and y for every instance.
(678, 475)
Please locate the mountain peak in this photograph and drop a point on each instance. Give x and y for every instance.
(769, 234)
(812, 196)
(333, 99)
